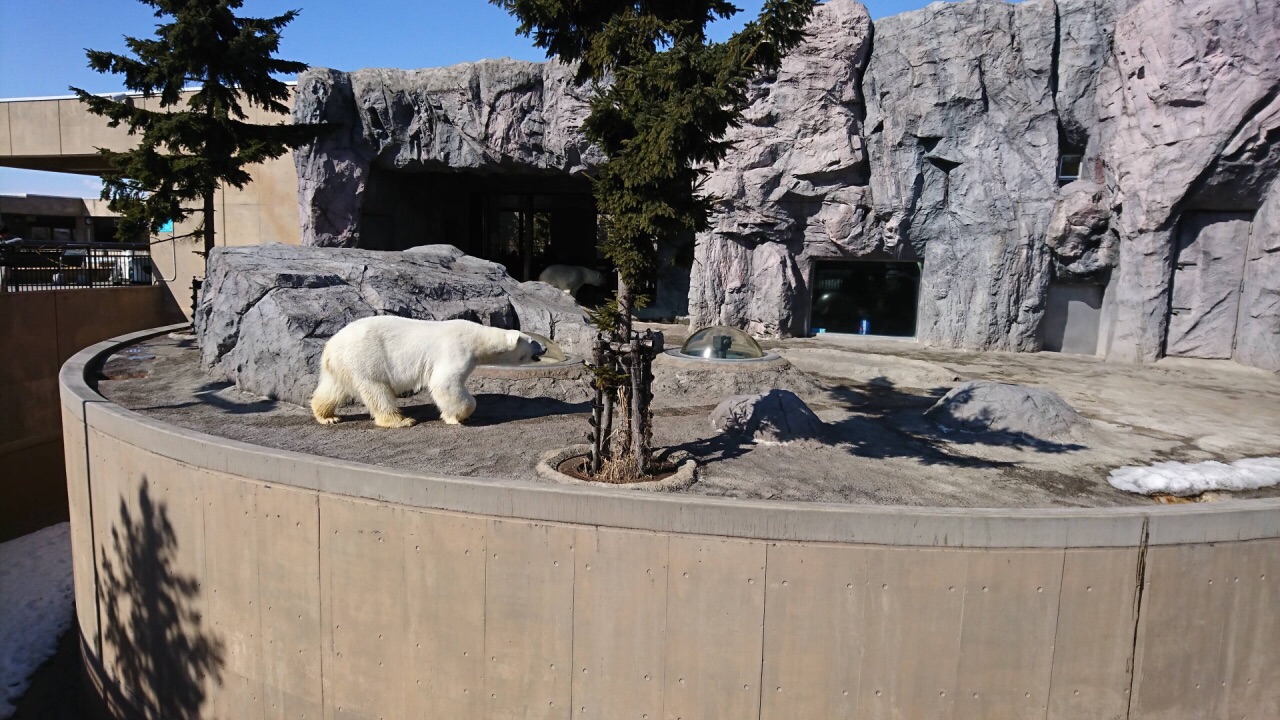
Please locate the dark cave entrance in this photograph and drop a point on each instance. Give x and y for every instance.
(523, 221)
(865, 297)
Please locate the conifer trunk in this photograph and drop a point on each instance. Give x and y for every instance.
(208, 197)
(632, 448)
(208, 225)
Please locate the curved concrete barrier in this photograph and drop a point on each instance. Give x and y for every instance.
(220, 579)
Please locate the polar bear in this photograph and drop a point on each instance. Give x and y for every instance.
(378, 358)
(570, 277)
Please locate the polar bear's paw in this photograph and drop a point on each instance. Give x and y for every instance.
(398, 421)
(331, 420)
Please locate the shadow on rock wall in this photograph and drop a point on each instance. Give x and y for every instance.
(151, 625)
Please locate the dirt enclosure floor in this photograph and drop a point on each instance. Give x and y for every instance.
(871, 393)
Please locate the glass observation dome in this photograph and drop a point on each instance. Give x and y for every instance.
(554, 354)
(721, 342)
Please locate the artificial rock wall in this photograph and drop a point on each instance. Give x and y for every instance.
(931, 136)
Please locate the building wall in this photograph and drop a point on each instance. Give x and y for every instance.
(41, 329)
(79, 210)
(279, 584)
(59, 135)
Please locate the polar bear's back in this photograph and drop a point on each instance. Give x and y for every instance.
(404, 352)
(570, 277)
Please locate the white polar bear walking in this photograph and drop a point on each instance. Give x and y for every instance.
(378, 358)
(570, 277)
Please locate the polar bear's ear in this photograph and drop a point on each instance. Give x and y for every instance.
(513, 339)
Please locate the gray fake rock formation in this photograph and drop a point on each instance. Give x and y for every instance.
(955, 165)
(266, 311)
(683, 381)
(1021, 414)
(1258, 329)
(1189, 121)
(1085, 31)
(938, 145)
(1080, 237)
(962, 134)
(565, 383)
(777, 416)
(794, 185)
(492, 115)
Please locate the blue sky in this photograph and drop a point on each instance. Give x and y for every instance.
(44, 41)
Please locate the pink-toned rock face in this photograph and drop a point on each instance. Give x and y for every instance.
(794, 185)
(939, 143)
(484, 115)
(1189, 107)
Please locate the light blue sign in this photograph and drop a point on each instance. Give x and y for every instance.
(167, 227)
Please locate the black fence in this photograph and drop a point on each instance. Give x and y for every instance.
(33, 265)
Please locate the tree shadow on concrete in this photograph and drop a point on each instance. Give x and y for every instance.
(151, 626)
(890, 422)
(716, 448)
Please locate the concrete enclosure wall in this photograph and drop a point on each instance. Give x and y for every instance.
(39, 331)
(217, 579)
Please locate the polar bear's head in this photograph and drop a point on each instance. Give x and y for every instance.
(520, 349)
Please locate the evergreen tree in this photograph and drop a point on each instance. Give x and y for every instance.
(194, 143)
(665, 97)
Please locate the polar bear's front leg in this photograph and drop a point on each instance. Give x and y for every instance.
(381, 402)
(449, 392)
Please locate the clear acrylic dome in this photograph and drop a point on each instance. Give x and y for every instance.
(554, 354)
(721, 342)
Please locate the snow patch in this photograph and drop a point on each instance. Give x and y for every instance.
(1184, 479)
(36, 606)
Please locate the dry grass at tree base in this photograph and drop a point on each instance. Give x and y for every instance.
(616, 472)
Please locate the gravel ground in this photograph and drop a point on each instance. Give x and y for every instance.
(871, 393)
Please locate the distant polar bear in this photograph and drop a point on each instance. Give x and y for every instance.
(378, 358)
(570, 277)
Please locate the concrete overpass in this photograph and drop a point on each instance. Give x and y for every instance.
(58, 134)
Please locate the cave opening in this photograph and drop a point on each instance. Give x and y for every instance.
(524, 221)
(866, 297)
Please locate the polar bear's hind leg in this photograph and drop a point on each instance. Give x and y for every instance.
(329, 395)
(381, 402)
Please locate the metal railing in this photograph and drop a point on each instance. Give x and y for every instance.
(41, 265)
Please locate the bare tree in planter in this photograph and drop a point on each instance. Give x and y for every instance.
(665, 97)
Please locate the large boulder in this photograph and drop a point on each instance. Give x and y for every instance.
(1016, 413)
(1080, 235)
(778, 416)
(679, 380)
(492, 115)
(266, 311)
